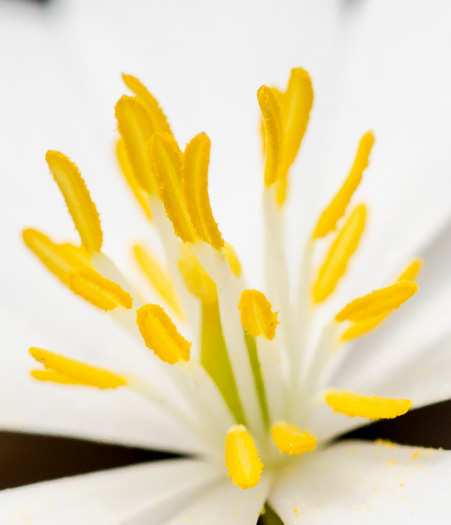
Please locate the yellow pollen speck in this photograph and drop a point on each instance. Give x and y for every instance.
(232, 258)
(334, 266)
(195, 184)
(256, 314)
(241, 458)
(167, 164)
(196, 279)
(380, 302)
(158, 276)
(78, 200)
(373, 407)
(76, 371)
(291, 439)
(336, 209)
(100, 292)
(161, 335)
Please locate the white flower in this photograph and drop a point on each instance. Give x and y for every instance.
(344, 483)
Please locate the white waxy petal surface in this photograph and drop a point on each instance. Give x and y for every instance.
(363, 483)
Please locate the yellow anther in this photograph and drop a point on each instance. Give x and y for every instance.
(256, 314)
(167, 166)
(194, 275)
(362, 327)
(336, 209)
(339, 254)
(377, 303)
(55, 377)
(156, 116)
(373, 407)
(195, 184)
(158, 277)
(272, 118)
(77, 371)
(78, 200)
(241, 458)
(101, 292)
(411, 271)
(136, 129)
(232, 258)
(291, 439)
(161, 335)
(127, 169)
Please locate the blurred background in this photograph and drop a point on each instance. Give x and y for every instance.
(375, 64)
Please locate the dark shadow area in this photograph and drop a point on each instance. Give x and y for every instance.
(29, 458)
(426, 427)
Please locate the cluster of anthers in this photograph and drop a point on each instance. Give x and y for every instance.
(252, 374)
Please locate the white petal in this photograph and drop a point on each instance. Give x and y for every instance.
(225, 504)
(363, 483)
(110, 497)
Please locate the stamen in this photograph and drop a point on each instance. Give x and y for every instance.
(334, 267)
(195, 184)
(127, 170)
(291, 439)
(241, 458)
(101, 292)
(55, 377)
(196, 279)
(161, 335)
(336, 209)
(256, 314)
(373, 407)
(232, 258)
(136, 130)
(167, 165)
(411, 271)
(158, 277)
(78, 200)
(273, 127)
(60, 259)
(77, 371)
(157, 117)
(380, 302)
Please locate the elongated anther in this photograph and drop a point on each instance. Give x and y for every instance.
(291, 439)
(232, 258)
(411, 272)
(81, 207)
(257, 317)
(76, 371)
(241, 458)
(380, 302)
(337, 207)
(373, 407)
(195, 277)
(161, 335)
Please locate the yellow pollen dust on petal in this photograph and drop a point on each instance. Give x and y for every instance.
(291, 439)
(194, 275)
(161, 335)
(411, 272)
(76, 371)
(60, 259)
(256, 315)
(380, 302)
(158, 277)
(232, 258)
(167, 164)
(81, 207)
(241, 458)
(345, 244)
(195, 185)
(373, 407)
(272, 118)
(136, 129)
(99, 291)
(127, 169)
(337, 207)
(156, 116)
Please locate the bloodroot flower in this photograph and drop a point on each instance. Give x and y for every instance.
(254, 384)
